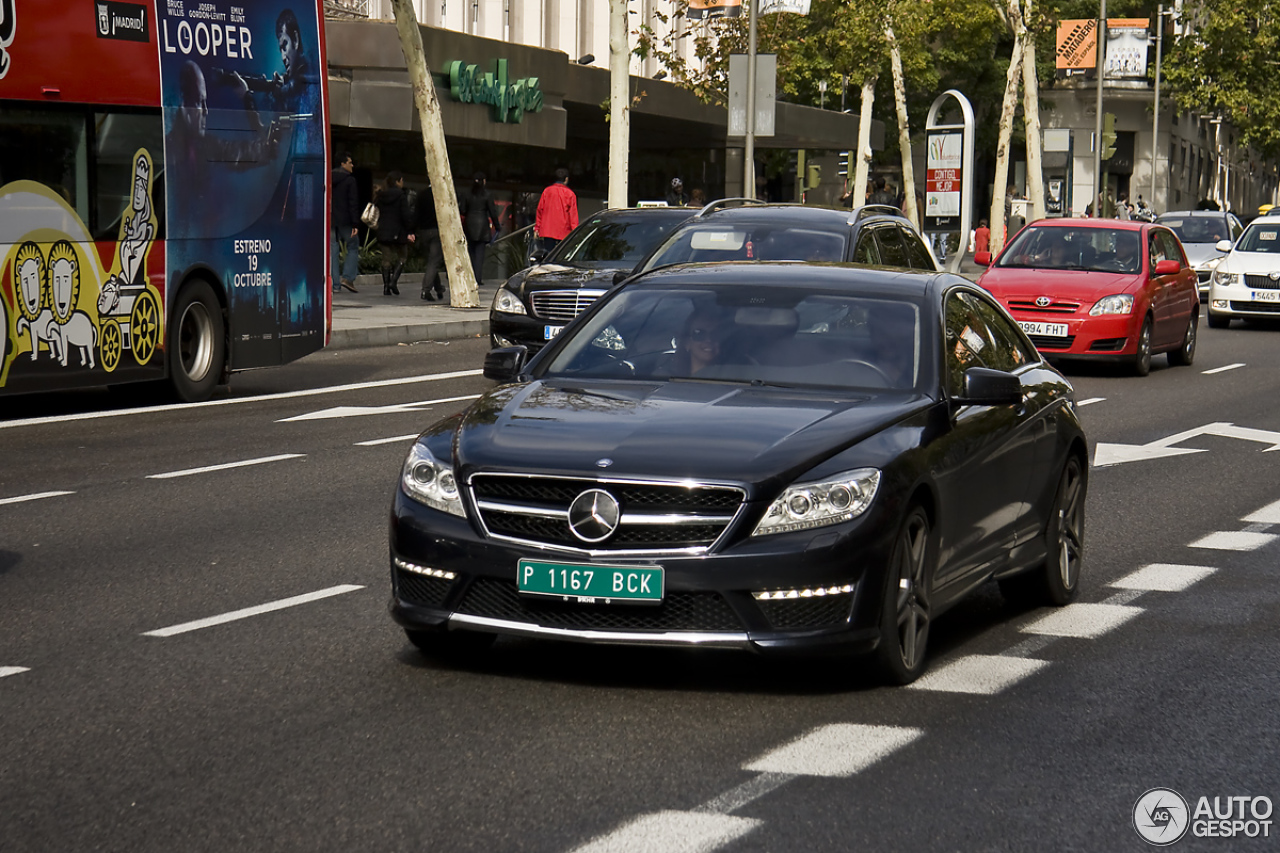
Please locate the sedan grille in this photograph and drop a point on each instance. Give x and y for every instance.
(1261, 282)
(1257, 307)
(679, 611)
(652, 516)
(561, 306)
(1055, 307)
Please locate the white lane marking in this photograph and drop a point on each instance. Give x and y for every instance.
(1269, 514)
(13, 670)
(252, 611)
(839, 749)
(1163, 577)
(225, 466)
(35, 497)
(1223, 369)
(287, 395)
(982, 674)
(1234, 540)
(360, 411)
(672, 832)
(1091, 401)
(1082, 620)
(395, 438)
(735, 798)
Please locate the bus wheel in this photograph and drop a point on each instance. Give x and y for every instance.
(197, 347)
(144, 327)
(111, 344)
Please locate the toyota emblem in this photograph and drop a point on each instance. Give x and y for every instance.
(1043, 301)
(594, 515)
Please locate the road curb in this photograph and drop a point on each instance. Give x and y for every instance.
(381, 336)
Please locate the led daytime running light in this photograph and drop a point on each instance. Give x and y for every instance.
(423, 570)
(816, 592)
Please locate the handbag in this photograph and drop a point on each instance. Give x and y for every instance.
(370, 215)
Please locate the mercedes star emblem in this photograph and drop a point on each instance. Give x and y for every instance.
(594, 515)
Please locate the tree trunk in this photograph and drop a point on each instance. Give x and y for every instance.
(462, 282)
(862, 170)
(904, 129)
(1007, 109)
(1031, 116)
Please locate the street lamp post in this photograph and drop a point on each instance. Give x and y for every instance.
(1155, 119)
(1097, 133)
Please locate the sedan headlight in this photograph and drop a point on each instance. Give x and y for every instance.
(1224, 278)
(1116, 303)
(807, 505)
(431, 482)
(507, 302)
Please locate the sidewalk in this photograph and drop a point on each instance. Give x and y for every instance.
(369, 319)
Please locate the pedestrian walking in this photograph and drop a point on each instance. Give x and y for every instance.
(478, 214)
(428, 225)
(345, 221)
(557, 211)
(675, 195)
(982, 237)
(395, 230)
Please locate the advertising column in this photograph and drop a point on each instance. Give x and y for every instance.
(245, 166)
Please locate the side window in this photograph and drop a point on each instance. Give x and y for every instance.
(1172, 250)
(892, 252)
(1155, 249)
(50, 147)
(968, 342)
(1236, 229)
(866, 252)
(916, 252)
(1008, 351)
(117, 138)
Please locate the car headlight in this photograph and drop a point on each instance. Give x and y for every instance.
(807, 505)
(1116, 303)
(507, 302)
(431, 482)
(1225, 278)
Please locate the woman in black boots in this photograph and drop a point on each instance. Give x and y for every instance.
(395, 230)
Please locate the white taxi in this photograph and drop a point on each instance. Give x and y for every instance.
(1247, 281)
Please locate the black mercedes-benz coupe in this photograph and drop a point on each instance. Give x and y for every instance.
(766, 456)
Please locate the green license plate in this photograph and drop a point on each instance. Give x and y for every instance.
(591, 584)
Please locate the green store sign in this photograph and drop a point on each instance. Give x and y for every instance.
(510, 99)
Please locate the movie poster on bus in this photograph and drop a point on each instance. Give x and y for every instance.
(245, 165)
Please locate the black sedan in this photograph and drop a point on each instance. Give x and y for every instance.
(535, 303)
(762, 456)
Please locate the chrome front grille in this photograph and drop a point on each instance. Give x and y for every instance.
(561, 306)
(655, 517)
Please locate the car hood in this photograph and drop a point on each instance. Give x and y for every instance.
(556, 277)
(1085, 287)
(702, 430)
(1251, 262)
(1198, 253)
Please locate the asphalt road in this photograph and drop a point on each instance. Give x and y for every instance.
(130, 724)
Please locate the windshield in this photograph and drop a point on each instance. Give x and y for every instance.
(1068, 248)
(747, 335)
(613, 241)
(1261, 237)
(1198, 229)
(751, 241)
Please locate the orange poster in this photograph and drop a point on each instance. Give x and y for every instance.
(1077, 47)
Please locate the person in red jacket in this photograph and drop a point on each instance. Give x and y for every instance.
(557, 211)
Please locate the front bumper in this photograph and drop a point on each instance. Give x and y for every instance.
(708, 599)
(509, 330)
(1240, 300)
(1107, 337)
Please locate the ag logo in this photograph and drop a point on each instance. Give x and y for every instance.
(1161, 817)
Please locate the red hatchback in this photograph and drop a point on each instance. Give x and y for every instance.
(1100, 289)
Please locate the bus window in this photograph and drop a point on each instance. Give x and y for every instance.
(117, 138)
(50, 148)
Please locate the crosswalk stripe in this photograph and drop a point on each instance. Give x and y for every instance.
(1082, 620)
(981, 674)
(1163, 577)
(672, 832)
(1234, 540)
(839, 749)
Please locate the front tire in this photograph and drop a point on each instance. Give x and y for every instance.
(1141, 365)
(197, 343)
(1185, 354)
(1057, 581)
(905, 613)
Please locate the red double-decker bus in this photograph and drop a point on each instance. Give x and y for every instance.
(163, 173)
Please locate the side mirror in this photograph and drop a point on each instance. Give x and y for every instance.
(986, 387)
(982, 259)
(505, 363)
(1167, 268)
(1223, 245)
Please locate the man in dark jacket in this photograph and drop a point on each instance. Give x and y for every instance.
(346, 218)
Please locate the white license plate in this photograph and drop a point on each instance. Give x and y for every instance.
(1048, 330)
(549, 332)
(1265, 296)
